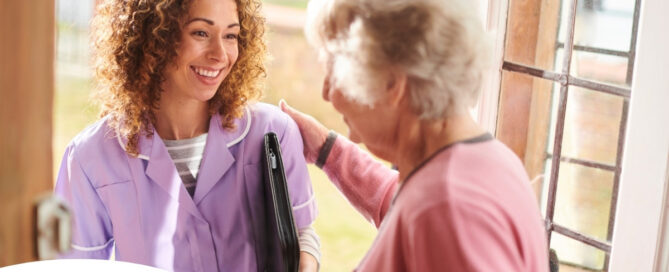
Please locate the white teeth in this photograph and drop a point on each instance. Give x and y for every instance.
(206, 73)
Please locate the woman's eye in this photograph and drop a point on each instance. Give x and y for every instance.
(200, 33)
(232, 36)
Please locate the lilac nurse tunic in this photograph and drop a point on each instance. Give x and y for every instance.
(140, 206)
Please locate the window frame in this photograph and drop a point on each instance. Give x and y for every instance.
(636, 243)
(486, 110)
(634, 247)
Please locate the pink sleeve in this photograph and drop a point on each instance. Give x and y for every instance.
(366, 183)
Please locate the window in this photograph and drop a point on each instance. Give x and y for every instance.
(563, 104)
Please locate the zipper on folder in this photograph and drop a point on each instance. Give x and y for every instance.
(272, 159)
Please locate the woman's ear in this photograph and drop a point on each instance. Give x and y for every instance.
(396, 87)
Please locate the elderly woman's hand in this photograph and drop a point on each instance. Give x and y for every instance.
(313, 132)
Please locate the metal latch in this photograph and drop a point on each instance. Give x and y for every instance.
(272, 159)
(53, 230)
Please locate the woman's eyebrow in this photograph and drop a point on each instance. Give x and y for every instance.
(209, 22)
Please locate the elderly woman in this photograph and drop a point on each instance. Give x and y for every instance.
(170, 176)
(403, 74)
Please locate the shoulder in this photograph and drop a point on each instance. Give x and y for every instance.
(484, 176)
(492, 154)
(264, 113)
(266, 118)
(482, 195)
(94, 140)
(488, 167)
(483, 184)
(93, 135)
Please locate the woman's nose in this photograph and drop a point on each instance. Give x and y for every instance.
(217, 50)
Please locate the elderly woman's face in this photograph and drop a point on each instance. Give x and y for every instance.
(207, 51)
(375, 126)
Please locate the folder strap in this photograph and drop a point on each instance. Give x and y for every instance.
(325, 150)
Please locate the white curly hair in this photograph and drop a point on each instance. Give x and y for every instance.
(440, 44)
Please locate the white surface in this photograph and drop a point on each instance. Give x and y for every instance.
(495, 23)
(662, 256)
(79, 265)
(642, 187)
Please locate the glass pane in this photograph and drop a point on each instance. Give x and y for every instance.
(575, 256)
(600, 67)
(583, 199)
(555, 103)
(582, 204)
(531, 34)
(72, 44)
(601, 23)
(73, 109)
(523, 120)
(591, 126)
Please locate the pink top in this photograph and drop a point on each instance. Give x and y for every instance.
(468, 208)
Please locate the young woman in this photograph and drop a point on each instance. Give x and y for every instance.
(170, 176)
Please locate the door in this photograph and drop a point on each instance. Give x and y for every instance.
(26, 97)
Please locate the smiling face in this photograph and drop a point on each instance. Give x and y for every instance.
(206, 53)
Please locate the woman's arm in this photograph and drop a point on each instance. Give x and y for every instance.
(301, 196)
(366, 183)
(310, 252)
(297, 176)
(91, 232)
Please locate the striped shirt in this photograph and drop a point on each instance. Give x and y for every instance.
(187, 155)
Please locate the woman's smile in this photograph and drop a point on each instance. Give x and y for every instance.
(207, 75)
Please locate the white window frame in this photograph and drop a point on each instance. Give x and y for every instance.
(486, 110)
(637, 243)
(636, 236)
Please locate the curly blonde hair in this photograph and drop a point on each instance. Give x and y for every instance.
(134, 40)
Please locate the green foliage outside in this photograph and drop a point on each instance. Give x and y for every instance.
(301, 4)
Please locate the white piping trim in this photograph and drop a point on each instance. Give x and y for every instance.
(246, 130)
(118, 137)
(196, 158)
(95, 248)
(302, 205)
(233, 142)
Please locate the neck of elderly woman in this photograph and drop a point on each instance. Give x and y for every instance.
(418, 140)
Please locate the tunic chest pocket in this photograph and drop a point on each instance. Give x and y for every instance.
(146, 229)
(120, 200)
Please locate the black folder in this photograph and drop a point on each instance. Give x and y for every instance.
(283, 244)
